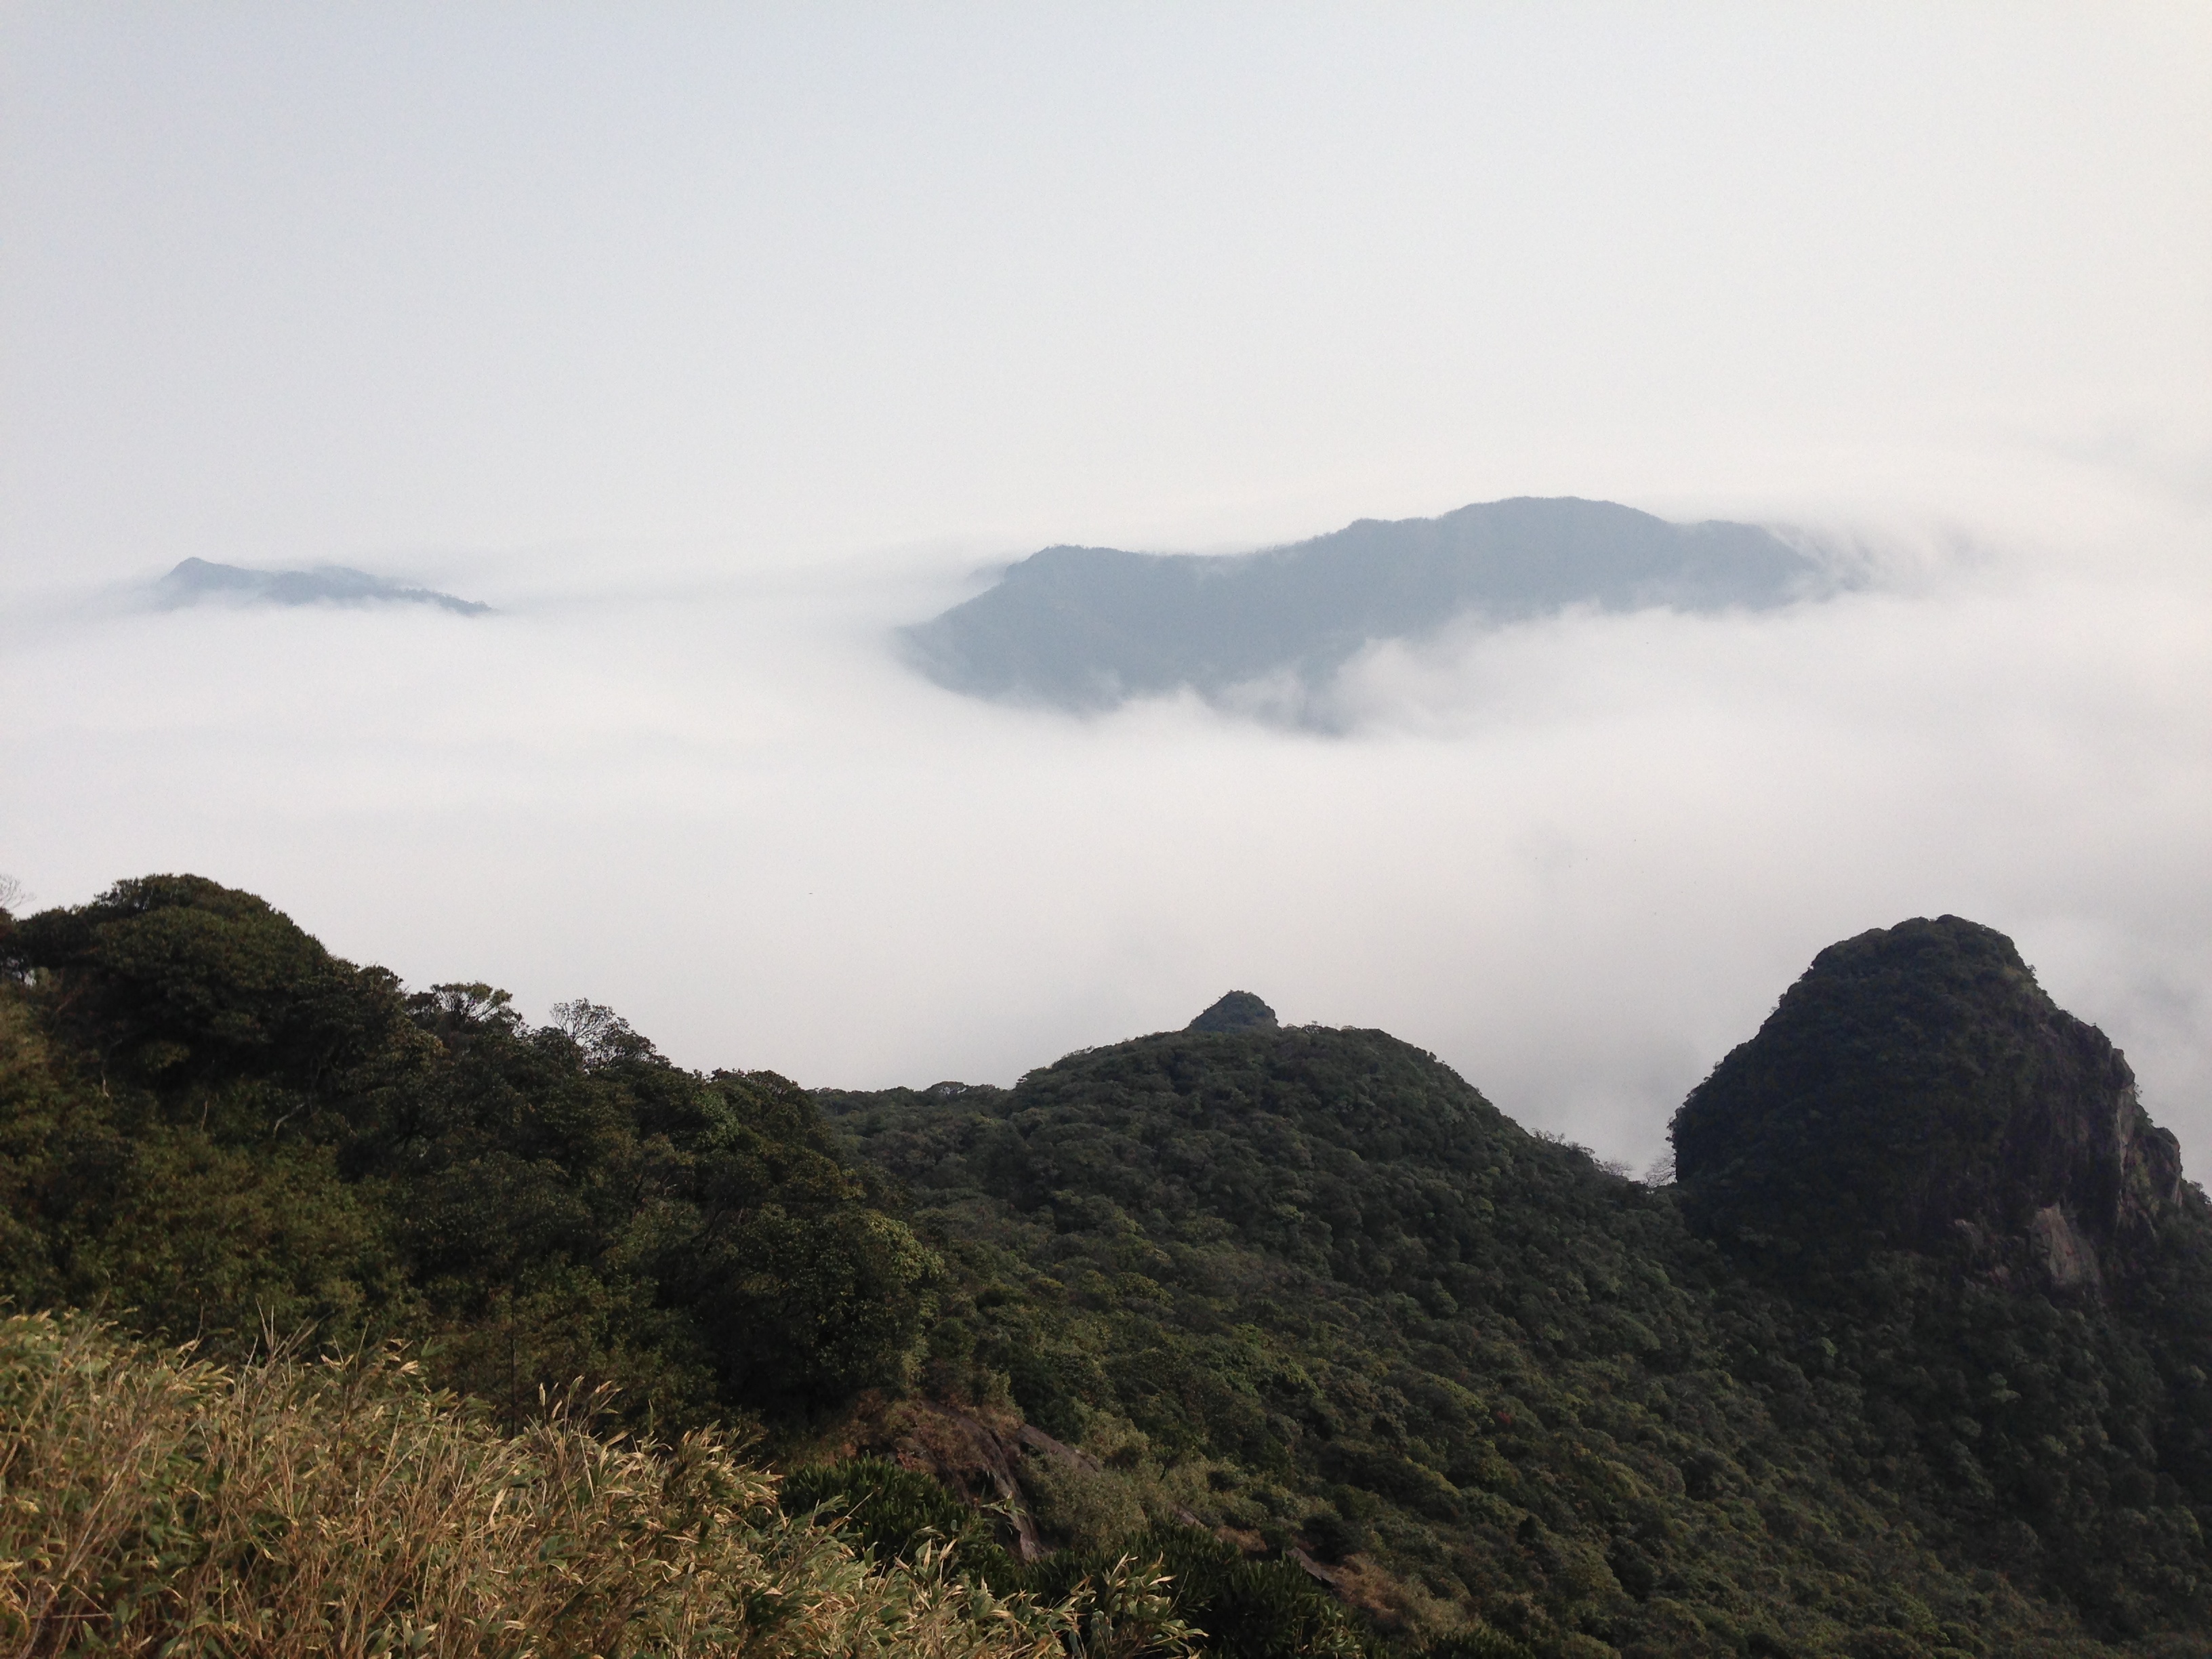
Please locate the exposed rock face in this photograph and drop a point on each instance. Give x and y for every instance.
(1917, 1090)
(1240, 1011)
(2068, 1260)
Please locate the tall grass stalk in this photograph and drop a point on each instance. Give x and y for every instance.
(152, 1503)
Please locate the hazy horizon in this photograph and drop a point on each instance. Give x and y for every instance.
(710, 348)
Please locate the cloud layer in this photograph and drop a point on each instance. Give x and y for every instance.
(1578, 857)
(677, 334)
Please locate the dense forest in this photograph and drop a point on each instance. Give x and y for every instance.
(1914, 1357)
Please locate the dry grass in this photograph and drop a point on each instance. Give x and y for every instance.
(152, 1503)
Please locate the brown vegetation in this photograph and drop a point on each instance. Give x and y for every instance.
(153, 1503)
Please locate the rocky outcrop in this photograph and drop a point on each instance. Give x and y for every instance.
(1917, 1090)
(1239, 1011)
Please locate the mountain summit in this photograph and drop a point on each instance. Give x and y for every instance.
(1240, 1011)
(197, 581)
(1087, 627)
(1917, 1090)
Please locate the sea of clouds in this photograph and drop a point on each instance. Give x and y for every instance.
(1577, 859)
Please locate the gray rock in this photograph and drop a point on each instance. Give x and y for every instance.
(1240, 1011)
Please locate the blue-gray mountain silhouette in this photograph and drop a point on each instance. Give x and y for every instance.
(197, 580)
(1087, 627)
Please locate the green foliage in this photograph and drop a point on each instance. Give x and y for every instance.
(1312, 1288)
(105, 1200)
(889, 1512)
(1916, 1089)
(174, 978)
(1245, 1609)
(1316, 1349)
(1248, 1609)
(211, 1126)
(1956, 1184)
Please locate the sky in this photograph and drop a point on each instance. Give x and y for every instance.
(710, 344)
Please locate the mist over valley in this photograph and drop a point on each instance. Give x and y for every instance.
(1232, 833)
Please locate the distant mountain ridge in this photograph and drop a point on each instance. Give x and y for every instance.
(1087, 627)
(197, 580)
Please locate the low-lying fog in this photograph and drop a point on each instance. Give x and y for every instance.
(1577, 859)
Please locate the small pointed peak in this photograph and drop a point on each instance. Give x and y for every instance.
(1240, 1011)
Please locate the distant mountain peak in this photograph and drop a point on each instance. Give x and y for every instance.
(1088, 627)
(1917, 1090)
(195, 582)
(1239, 1011)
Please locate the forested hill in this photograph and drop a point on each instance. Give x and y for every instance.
(210, 1126)
(1308, 1286)
(1087, 627)
(1913, 1361)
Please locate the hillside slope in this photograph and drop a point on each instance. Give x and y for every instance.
(212, 1125)
(1915, 1360)
(1955, 1183)
(158, 1503)
(1087, 627)
(1309, 1287)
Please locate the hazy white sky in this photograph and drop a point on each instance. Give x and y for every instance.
(708, 342)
